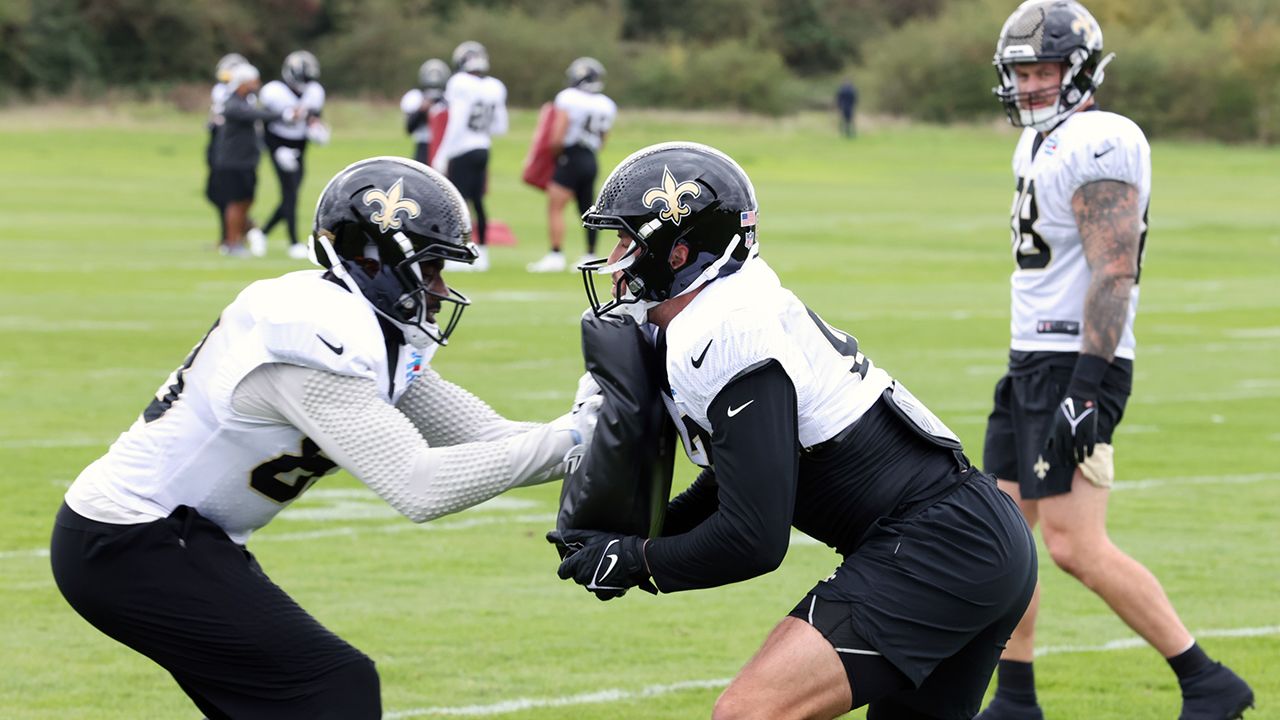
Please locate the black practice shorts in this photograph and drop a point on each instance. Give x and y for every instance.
(234, 184)
(936, 593)
(576, 170)
(469, 171)
(179, 591)
(1025, 400)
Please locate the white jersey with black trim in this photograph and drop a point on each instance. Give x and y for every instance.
(590, 117)
(191, 447)
(477, 111)
(217, 101)
(1052, 275)
(278, 97)
(741, 320)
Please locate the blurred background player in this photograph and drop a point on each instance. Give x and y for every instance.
(422, 103)
(847, 103)
(583, 116)
(235, 158)
(299, 93)
(477, 111)
(217, 99)
(1079, 225)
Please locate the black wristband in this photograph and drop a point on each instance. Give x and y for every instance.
(1086, 380)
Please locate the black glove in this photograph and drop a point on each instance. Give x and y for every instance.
(1074, 430)
(607, 564)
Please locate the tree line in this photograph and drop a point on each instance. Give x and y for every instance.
(1208, 68)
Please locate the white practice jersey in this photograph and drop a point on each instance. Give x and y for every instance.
(477, 111)
(277, 96)
(191, 447)
(217, 101)
(590, 117)
(746, 318)
(412, 103)
(1052, 276)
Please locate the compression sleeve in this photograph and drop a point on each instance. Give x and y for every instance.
(755, 452)
(447, 414)
(351, 423)
(693, 506)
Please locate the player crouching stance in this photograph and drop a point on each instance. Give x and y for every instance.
(301, 374)
(795, 427)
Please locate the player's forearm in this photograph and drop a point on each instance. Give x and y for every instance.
(1109, 221)
(447, 414)
(351, 423)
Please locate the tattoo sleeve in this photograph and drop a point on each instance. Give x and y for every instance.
(1110, 223)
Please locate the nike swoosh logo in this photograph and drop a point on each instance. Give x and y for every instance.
(1104, 152)
(337, 349)
(697, 362)
(735, 410)
(613, 562)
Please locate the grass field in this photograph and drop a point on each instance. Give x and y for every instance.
(899, 237)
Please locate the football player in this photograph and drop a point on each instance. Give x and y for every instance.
(298, 92)
(217, 99)
(422, 103)
(477, 111)
(235, 158)
(1079, 227)
(583, 116)
(794, 426)
(300, 375)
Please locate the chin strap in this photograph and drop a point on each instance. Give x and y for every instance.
(414, 334)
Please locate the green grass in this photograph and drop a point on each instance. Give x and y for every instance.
(899, 237)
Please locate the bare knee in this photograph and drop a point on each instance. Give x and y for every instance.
(734, 705)
(1075, 553)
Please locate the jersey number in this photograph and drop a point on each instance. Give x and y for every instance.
(595, 126)
(481, 117)
(172, 388)
(1029, 249)
(285, 477)
(844, 343)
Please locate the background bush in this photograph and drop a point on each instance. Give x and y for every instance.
(1207, 68)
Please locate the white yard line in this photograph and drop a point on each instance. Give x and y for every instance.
(620, 695)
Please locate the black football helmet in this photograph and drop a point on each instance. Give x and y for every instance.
(1060, 31)
(665, 195)
(586, 73)
(300, 67)
(376, 221)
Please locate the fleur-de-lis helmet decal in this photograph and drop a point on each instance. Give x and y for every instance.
(391, 202)
(671, 194)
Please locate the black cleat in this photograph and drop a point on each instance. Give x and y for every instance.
(1215, 694)
(1003, 709)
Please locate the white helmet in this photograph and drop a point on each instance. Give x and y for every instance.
(222, 72)
(471, 57)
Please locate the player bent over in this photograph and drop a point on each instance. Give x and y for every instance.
(795, 427)
(300, 375)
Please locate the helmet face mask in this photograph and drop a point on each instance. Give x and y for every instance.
(384, 226)
(1049, 31)
(663, 197)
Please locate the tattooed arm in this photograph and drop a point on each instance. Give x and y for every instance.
(1110, 224)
